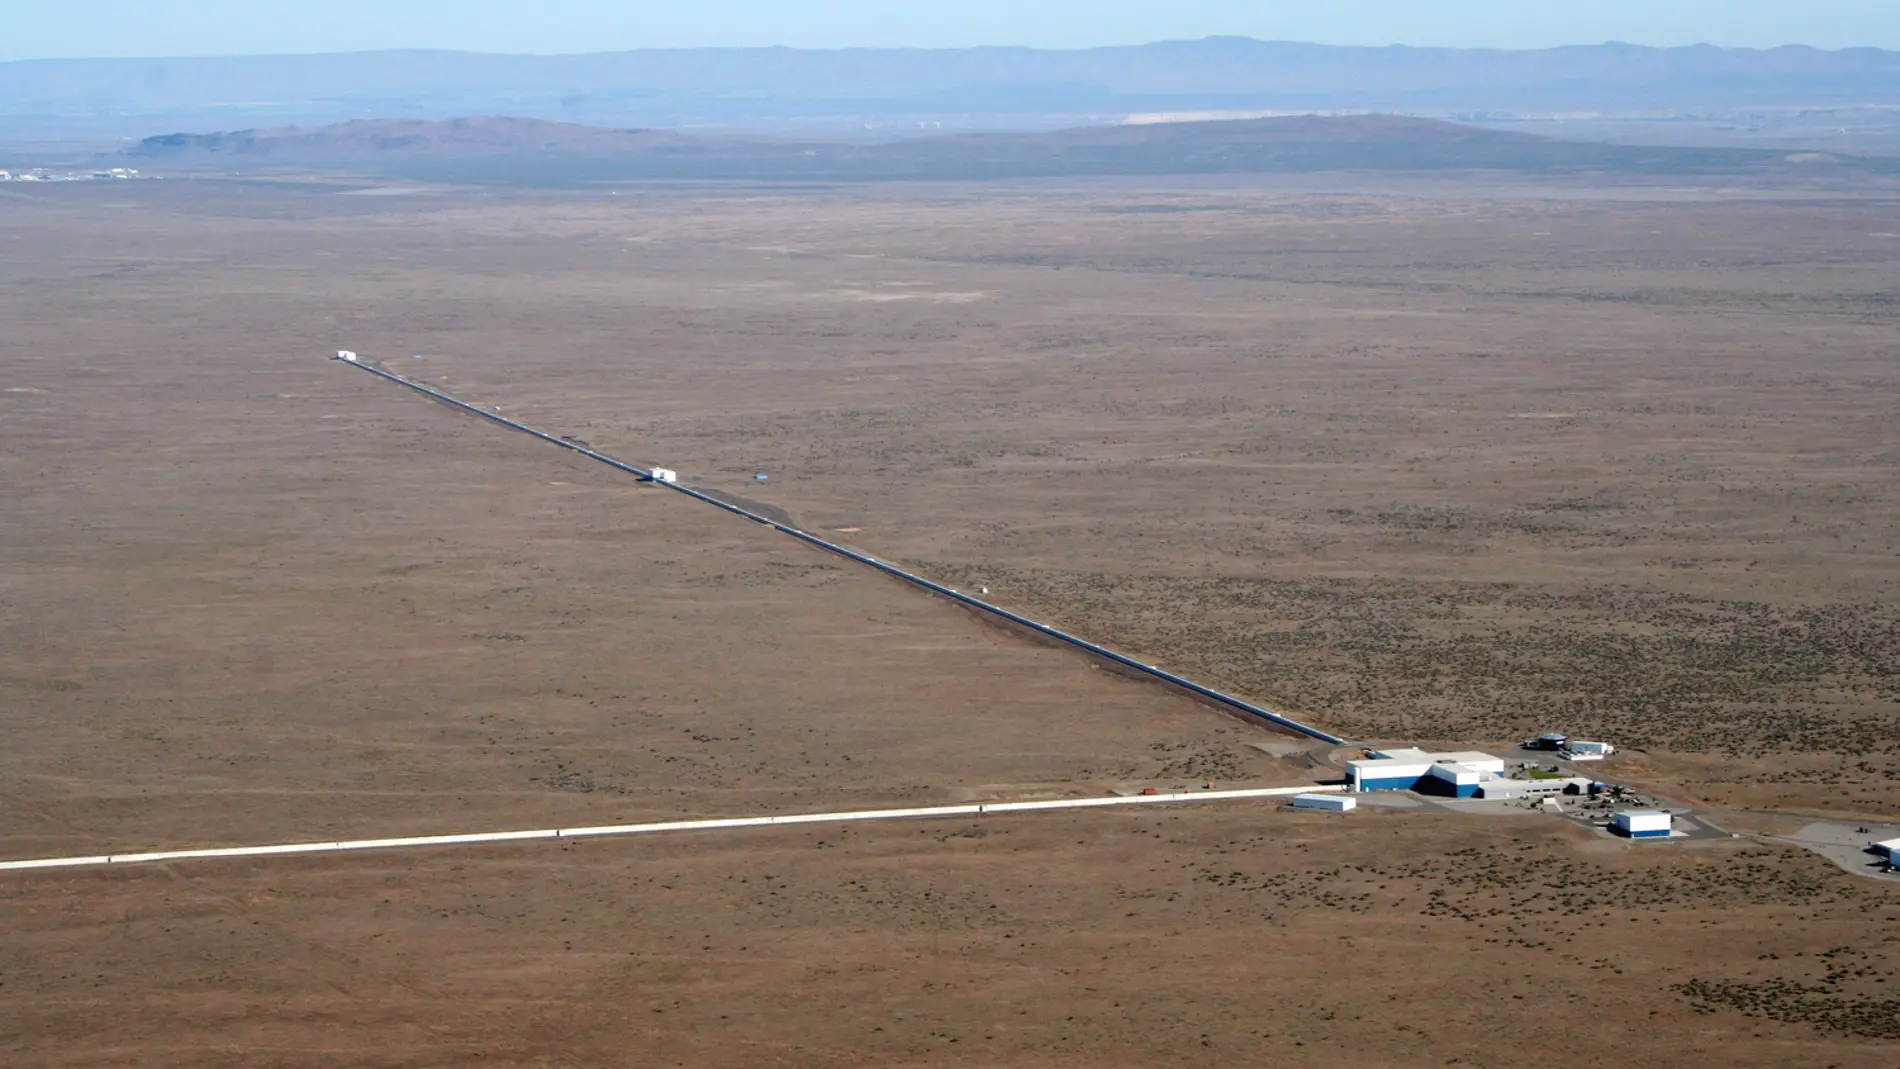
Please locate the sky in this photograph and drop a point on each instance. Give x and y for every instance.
(35, 29)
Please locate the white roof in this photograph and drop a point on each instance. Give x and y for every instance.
(1343, 800)
(1892, 846)
(1378, 765)
(1460, 757)
(1402, 753)
(1465, 757)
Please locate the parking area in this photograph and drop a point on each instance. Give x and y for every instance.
(1845, 844)
(1592, 813)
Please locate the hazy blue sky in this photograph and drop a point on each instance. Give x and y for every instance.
(48, 28)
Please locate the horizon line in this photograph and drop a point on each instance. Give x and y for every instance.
(1396, 46)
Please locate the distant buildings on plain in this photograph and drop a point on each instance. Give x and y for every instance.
(41, 174)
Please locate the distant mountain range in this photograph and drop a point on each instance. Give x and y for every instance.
(539, 152)
(782, 89)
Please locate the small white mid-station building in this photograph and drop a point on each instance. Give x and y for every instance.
(664, 475)
(346, 355)
(1641, 824)
(1331, 803)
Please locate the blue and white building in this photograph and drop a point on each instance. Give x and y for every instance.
(1455, 775)
(1641, 824)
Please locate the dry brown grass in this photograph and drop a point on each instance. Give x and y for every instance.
(1438, 466)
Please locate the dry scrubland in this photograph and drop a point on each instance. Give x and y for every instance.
(1424, 463)
(1192, 938)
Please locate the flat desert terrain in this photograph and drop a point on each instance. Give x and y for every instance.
(1419, 461)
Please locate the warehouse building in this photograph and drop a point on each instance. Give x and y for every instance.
(1535, 788)
(1641, 824)
(1889, 850)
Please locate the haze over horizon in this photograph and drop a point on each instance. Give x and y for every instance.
(180, 28)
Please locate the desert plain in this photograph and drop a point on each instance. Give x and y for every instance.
(1445, 460)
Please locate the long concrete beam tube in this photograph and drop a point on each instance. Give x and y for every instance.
(934, 587)
(616, 830)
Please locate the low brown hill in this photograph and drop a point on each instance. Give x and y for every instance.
(538, 152)
(478, 135)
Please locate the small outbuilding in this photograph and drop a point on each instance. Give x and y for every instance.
(1331, 803)
(1641, 824)
(665, 475)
